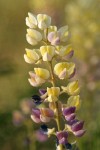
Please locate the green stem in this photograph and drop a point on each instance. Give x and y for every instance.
(56, 103)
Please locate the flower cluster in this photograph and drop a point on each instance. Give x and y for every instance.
(53, 53)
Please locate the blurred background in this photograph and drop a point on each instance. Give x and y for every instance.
(83, 19)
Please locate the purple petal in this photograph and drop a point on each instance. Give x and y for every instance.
(70, 117)
(42, 91)
(62, 141)
(36, 112)
(68, 111)
(69, 55)
(77, 126)
(73, 122)
(62, 134)
(72, 75)
(79, 133)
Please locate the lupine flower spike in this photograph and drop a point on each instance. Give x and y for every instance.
(54, 59)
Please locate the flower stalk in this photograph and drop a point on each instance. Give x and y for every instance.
(53, 50)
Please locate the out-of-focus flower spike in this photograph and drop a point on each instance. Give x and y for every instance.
(44, 21)
(31, 21)
(33, 36)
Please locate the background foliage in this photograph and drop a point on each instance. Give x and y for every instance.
(83, 19)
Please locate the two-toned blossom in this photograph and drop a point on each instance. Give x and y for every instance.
(32, 56)
(72, 88)
(42, 115)
(53, 94)
(38, 77)
(31, 20)
(66, 52)
(64, 70)
(47, 52)
(44, 21)
(69, 113)
(41, 21)
(33, 37)
(58, 36)
(74, 125)
(74, 101)
(62, 137)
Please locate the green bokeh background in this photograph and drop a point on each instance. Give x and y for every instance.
(83, 19)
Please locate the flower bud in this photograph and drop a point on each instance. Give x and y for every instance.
(70, 117)
(35, 116)
(53, 94)
(42, 91)
(31, 56)
(79, 133)
(31, 21)
(54, 38)
(68, 111)
(39, 77)
(47, 52)
(62, 137)
(74, 101)
(64, 70)
(72, 88)
(46, 114)
(77, 126)
(44, 21)
(66, 52)
(63, 33)
(33, 36)
(37, 99)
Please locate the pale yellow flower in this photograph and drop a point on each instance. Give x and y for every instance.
(44, 21)
(38, 77)
(66, 52)
(64, 70)
(32, 56)
(72, 88)
(63, 33)
(33, 36)
(31, 21)
(74, 101)
(53, 94)
(48, 30)
(47, 52)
